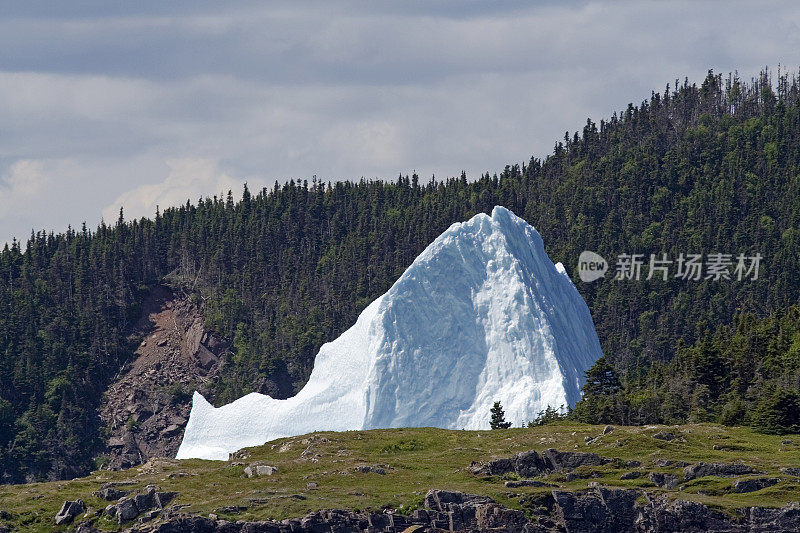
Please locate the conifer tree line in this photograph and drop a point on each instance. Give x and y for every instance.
(713, 167)
(744, 373)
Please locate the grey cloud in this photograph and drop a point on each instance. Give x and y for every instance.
(107, 102)
(77, 9)
(313, 45)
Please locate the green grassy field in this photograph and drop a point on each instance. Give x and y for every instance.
(416, 460)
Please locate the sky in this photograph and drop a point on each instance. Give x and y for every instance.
(138, 104)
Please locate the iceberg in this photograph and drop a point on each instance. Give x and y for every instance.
(481, 315)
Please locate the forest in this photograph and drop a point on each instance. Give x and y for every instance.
(708, 168)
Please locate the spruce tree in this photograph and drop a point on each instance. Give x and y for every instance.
(498, 417)
(779, 413)
(600, 394)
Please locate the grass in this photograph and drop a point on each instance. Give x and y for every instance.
(415, 460)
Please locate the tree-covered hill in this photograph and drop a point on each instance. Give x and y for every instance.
(745, 373)
(695, 169)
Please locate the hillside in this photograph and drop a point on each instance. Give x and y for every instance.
(393, 469)
(696, 169)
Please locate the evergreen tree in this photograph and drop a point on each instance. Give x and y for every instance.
(498, 420)
(779, 413)
(601, 379)
(549, 415)
(601, 394)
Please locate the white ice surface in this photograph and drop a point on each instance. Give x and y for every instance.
(481, 315)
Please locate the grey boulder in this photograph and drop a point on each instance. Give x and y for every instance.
(126, 510)
(69, 510)
(754, 484)
(716, 469)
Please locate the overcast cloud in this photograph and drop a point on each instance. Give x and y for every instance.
(151, 103)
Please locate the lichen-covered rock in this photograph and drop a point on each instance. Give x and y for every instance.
(110, 494)
(532, 464)
(266, 470)
(126, 510)
(381, 471)
(598, 510)
(665, 481)
(69, 510)
(161, 499)
(716, 469)
(572, 460)
(492, 517)
(85, 527)
(754, 484)
(786, 518)
(684, 516)
(146, 500)
(498, 467)
(149, 515)
(444, 500)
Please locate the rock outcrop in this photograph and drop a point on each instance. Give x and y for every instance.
(716, 469)
(532, 464)
(662, 515)
(754, 484)
(597, 509)
(110, 492)
(69, 511)
(259, 470)
(369, 469)
(665, 481)
(147, 407)
(150, 503)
